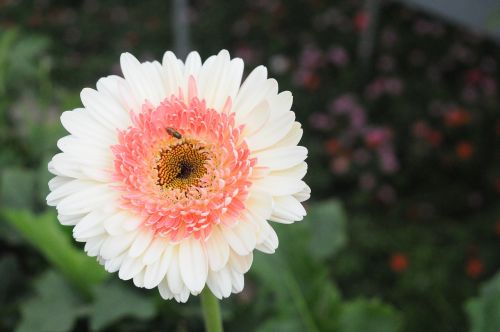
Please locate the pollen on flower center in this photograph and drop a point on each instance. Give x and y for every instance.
(181, 166)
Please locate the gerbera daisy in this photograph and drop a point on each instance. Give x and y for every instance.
(171, 174)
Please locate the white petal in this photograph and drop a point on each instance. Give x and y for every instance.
(280, 103)
(271, 242)
(256, 223)
(157, 271)
(80, 124)
(155, 75)
(114, 224)
(217, 250)
(131, 102)
(91, 225)
(144, 80)
(110, 86)
(63, 164)
(279, 185)
(256, 118)
(164, 290)
(304, 194)
(192, 65)
(193, 264)
(130, 268)
(174, 278)
(272, 132)
(141, 242)
(155, 250)
(219, 282)
(139, 278)
(58, 181)
(237, 281)
(219, 79)
(287, 208)
(292, 138)
(87, 200)
(174, 78)
(240, 263)
(116, 245)
(105, 110)
(132, 222)
(252, 91)
(96, 156)
(297, 171)
(68, 188)
(113, 265)
(70, 220)
(241, 238)
(260, 203)
(281, 158)
(183, 296)
(93, 245)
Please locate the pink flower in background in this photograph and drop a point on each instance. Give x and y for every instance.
(384, 86)
(338, 56)
(340, 165)
(320, 121)
(375, 137)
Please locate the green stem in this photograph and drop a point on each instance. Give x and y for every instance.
(211, 311)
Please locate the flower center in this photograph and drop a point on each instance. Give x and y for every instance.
(181, 166)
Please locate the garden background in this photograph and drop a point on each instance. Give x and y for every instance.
(401, 117)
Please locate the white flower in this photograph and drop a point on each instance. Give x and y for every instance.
(171, 174)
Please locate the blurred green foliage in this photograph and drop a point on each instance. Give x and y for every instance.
(484, 311)
(355, 263)
(47, 236)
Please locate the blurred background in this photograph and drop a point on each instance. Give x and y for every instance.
(400, 105)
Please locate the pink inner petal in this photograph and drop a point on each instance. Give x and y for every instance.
(219, 194)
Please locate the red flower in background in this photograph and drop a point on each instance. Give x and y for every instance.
(432, 136)
(332, 146)
(361, 20)
(464, 150)
(474, 268)
(399, 262)
(456, 117)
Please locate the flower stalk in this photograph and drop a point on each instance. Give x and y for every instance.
(211, 311)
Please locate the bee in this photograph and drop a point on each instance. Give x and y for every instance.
(174, 133)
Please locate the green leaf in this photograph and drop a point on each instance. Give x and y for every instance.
(327, 221)
(48, 236)
(368, 315)
(285, 285)
(116, 300)
(17, 188)
(54, 309)
(484, 311)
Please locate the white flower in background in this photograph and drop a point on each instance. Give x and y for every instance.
(171, 174)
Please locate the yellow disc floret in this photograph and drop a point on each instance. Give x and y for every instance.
(181, 166)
